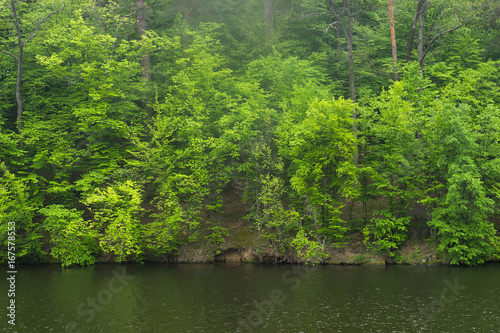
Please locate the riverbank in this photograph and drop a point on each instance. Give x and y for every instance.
(414, 252)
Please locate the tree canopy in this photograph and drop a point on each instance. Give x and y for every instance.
(126, 125)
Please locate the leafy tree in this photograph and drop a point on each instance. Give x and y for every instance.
(465, 234)
(74, 240)
(462, 208)
(93, 126)
(319, 147)
(307, 249)
(18, 203)
(276, 223)
(391, 162)
(116, 217)
(187, 157)
(388, 231)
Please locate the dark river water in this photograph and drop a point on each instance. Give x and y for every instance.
(254, 298)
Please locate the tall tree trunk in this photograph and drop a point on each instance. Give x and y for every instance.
(269, 22)
(19, 58)
(420, 48)
(393, 39)
(350, 56)
(19, 99)
(352, 87)
(413, 28)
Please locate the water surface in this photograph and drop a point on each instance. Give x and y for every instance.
(255, 298)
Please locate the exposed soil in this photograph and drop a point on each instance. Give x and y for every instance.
(243, 243)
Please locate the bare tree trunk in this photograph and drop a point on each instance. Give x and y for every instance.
(421, 11)
(393, 40)
(19, 99)
(352, 87)
(19, 58)
(420, 49)
(413, 28)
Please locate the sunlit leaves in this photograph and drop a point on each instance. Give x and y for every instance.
(74, 240)
(116, 217)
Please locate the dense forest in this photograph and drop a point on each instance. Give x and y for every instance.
(124, 125)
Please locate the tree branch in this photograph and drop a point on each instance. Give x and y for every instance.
(437, 36)
(339, 19)
(40, 24)
(6, 7)
(135, 11)
(8, 53)
(331, 25)
(413, 28)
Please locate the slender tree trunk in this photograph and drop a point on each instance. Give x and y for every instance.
(350, 56)
(269, 22)
(393, 39)
(413, 28)
(352, 87)
(420, 48)
(19, 58)
(19, 98)
(421, 52)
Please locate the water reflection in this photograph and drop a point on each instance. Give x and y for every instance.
(256, 298)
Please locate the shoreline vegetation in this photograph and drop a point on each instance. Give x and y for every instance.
(211, 130)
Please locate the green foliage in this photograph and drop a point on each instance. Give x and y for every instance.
(116, 217)
(74, 240)
(18, 204)
(216, 234)
(388, 232)
(461, 213)
(306, 249)
(282, 77)
(320, 147)
(392, 160)
(275, 222)
(114, 164)
(100, 74)
(187, 157)
(465, 234)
